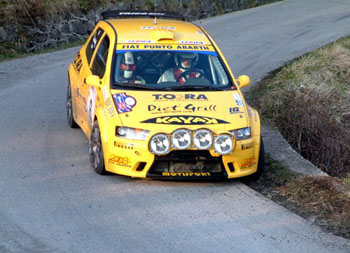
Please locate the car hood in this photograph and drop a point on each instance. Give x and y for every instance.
(162, 111)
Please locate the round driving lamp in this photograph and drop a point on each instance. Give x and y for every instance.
(159, 144)
(202, 139)
(181, 139)
(223, 144)
(122, 131)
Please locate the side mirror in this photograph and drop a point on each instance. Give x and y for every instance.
(93, 81)
(243, 81)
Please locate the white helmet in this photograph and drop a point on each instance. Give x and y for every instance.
(127, 65)
(180, 57)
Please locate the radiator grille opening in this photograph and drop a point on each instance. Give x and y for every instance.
(188, 161)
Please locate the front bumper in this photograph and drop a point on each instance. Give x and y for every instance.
(132, 158)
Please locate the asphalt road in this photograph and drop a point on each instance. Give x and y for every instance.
(52, 201)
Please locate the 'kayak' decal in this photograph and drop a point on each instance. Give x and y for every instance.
(185, 120)
(124, 103)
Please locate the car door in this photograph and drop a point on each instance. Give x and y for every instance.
(97, 67)
(82, 90)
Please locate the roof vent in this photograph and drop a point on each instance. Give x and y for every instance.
(162, 35)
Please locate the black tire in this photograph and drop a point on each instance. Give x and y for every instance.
(261, 164)
(69, 107)
(96, 151)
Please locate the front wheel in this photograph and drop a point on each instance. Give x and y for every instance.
(96, 151)
(261, 164)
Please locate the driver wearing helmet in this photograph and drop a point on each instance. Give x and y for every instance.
(185, 63)
(127, 70)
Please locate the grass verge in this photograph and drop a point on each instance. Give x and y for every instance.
(324, 200)
(309, 101)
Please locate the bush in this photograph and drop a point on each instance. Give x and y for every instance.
(27, 11)
(309, 101)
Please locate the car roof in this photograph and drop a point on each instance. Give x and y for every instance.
(164, 31)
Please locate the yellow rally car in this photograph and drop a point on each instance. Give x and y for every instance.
(156, 98)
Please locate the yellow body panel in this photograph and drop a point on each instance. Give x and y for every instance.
(159, 111)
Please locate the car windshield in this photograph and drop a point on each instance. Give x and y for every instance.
(169, 70)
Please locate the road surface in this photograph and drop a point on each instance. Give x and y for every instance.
(52, 201)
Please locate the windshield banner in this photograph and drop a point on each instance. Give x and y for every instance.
(166, 47)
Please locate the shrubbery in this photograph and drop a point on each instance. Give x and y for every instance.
(309, 101)
(27, 11)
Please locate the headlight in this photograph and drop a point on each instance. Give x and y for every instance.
(202, 139)
(132, 133)
(223, 144)
(181, 138)
(242, 134)
(159, 144)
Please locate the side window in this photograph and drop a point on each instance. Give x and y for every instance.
(99, 65)
(93, 43)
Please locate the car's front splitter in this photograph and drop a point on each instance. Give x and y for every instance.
(188, 176)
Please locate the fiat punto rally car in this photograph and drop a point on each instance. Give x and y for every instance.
(156, 98)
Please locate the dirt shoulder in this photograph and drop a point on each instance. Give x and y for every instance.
(322, 200)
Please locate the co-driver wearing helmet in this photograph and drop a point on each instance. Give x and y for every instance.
(127, 70)
(185, 62)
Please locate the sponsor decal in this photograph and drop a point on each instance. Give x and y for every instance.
(180, 108)
(158, 27)
(79, 94)
(91, 104)
(235, 110)
(85, 104)
(117, 160)
(78, 62)
(238, 99)
(110, 108)
(123, 145)
(250, 113)
(186, 174)
(151, 46)
(247, 146)
(95, 39)
(124, 102)
(105, 93)
(140, 41)
(248, 163)
(179, 97)
(185, 120)
(191, 42)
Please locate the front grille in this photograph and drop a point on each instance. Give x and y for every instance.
(187, 162)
